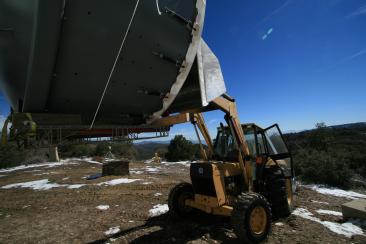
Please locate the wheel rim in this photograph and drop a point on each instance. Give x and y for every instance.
(289, 192)
(258, 220)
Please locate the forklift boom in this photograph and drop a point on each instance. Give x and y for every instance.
(228, 106)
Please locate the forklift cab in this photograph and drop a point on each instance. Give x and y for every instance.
(267, 148)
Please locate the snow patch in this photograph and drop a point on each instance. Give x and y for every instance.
(118, 181)
(41, 185)
(103, 207)
(93, 162)
(329, 212)
(335, 192)
(158, 210)
(138, 172)
(184, 163)
(29, 166)
(319, 202)
(149, 161)
(152, 170)
(279, 224)
(45, 173)
(82, 159)
(87, 160)
(67, 161)
(46, 185)
(35, 185)
(112, 231)
(347, 229)
(157, 194)
(75, 186)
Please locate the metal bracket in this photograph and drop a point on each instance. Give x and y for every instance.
(180, 18)
(150, 92)
(163, 56)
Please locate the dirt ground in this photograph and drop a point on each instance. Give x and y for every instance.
(64, 215)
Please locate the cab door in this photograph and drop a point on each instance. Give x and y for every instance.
(278, 151)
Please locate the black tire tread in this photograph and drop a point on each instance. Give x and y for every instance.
(277, 196)
(240, 208)
(173, 195)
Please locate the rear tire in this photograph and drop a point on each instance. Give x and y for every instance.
(280, 195)
(251, 218)
(177, 197)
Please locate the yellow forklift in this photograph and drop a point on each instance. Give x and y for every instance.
(246, 173)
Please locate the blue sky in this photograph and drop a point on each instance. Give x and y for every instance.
(292, 62)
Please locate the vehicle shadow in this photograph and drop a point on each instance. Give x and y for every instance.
(170, 229)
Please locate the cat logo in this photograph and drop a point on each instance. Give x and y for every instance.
(200, 171)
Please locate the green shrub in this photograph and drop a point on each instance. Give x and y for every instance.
(197, 151)
(83, 150)
(180, 149)
(76, 150)
(102, 148)
(323, 167)
(162, 151)
(11, 155)
(320, 138)
(124, 149)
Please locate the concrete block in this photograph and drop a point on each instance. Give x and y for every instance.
(116, 167)
(354, 209)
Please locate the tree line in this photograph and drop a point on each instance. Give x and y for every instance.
(324, 155)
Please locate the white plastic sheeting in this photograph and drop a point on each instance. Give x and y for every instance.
(212, 82)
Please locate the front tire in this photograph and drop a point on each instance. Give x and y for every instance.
(251, 218)
(177, 197)
(280, 195)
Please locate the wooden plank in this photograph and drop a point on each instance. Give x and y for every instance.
(172, 120)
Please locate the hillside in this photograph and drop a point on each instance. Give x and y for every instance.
(146, 149)
(332, 155)
(346, 136)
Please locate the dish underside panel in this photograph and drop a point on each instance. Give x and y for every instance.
(56, 57)
(65, 57)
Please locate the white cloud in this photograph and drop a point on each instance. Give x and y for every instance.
(276, 11)
(345, 60)
(268, 33)
(355, 55)
(360, 11)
